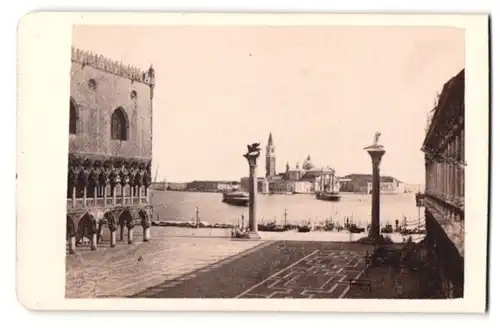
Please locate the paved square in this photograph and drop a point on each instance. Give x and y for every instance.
(286, 269)
(129, 269)
(320, 274)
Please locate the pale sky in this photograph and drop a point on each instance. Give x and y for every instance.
(322, 91)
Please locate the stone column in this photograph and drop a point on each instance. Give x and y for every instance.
(112, 229)
(122, 229)
(436, 178)
(376, 153)
(93, 242)
(72, 244)
(113, 190)
(85, 195)
(73, 196)
(146, 225)
(147, 233)
(448, 171)
(252, 224)
(93, 230)
(130, 236)
(123, 194)
(462, 157)
(112, 237)
(456, 168)
(105, 194)
(252, 156)
(130, 231)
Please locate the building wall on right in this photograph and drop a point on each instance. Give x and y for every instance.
(444, 151)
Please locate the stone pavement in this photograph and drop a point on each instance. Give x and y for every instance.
(128, 269)
(176, 266)
(321, 274)
(286, 269)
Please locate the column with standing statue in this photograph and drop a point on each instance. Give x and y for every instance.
(376, 151)
(252, 155)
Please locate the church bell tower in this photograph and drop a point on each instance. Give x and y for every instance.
(270, 158)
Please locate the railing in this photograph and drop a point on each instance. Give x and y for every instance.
(450, 216)
(106, 202)
(443, 203)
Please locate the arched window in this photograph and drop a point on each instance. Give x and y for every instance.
(73, 119)
(119, 125)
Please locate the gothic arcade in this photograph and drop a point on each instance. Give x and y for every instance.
(110, 150)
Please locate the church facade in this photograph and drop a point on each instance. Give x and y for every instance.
(110, 149)
(305, 179)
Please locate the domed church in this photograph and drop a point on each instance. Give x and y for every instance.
(305, 179)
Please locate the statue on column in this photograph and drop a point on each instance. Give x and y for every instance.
(375, 143)
(253, 153)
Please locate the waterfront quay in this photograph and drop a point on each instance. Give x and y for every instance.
(182, 206)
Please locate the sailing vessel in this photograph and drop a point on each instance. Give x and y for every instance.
(237, 198)
(327, 191)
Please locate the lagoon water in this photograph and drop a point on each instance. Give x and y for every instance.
(181, 206)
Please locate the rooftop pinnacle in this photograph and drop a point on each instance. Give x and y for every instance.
(270, 140)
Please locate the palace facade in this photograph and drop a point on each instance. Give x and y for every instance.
(110, 149)
(444, 187)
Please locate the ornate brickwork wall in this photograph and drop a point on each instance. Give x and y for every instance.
(98, 87)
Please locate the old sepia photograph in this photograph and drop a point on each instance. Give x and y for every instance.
(267, 162)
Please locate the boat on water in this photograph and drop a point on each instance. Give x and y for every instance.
(237, 198)
(327, 189)
(329, 196)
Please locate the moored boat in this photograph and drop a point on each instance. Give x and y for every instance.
(238, 198)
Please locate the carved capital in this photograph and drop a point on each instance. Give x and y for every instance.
(113, 179)
(111, 221)
(123, 178)
(93, 179)
(83, 178)
(72, 178)
(131, 178)
(146, 179)
(145, 218)
(130, 223)
(103, 179)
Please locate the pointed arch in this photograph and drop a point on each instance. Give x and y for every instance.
(73, 116)
(119, 124)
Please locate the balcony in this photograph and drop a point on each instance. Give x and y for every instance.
(77, 204)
